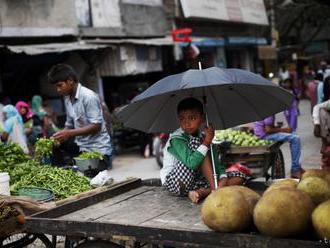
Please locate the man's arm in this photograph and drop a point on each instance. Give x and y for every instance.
(269, 129)
(67, 133)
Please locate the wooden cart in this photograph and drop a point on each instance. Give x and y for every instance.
(143, 212)
(263, 161)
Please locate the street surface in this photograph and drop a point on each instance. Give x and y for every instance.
(132, 164)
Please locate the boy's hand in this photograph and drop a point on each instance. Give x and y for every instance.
(222, 182)
(209, 134)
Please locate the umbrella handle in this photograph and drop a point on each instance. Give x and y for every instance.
(215, 176)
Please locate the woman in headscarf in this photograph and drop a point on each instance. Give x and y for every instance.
(13, 127)
(26, 113)
(40, 115)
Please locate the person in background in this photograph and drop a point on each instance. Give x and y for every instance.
(291, 114)
(324, 69)
(312, 92)
(320, 86)
(51, 118)
(326, 88)
(325, 137)
(13, 128)
(85, 120)
(40, 118)
(266, 129)
(283, 73)
(26, 113)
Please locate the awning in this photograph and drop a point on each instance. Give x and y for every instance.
(205, 42)
(37, 49)
(163, 41)
(53, 47)
(245, 40)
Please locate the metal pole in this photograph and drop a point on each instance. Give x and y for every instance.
(215, 176)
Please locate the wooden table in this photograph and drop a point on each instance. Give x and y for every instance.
(145, 213)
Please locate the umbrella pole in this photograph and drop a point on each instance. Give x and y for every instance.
(215, 176)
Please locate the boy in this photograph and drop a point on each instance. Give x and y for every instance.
(187, 167)
(84, 120)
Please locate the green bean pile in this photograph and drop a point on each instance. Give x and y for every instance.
(63, 183)
(11, 154)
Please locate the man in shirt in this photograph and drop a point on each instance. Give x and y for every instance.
(84, 119)
(266, 129)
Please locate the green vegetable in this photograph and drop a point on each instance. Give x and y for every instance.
(43, 148)
(11, 154)
(240, 138)
(88, 155)
(63, 183)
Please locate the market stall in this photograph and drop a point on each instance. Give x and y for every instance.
(30, 184)
(263, 158)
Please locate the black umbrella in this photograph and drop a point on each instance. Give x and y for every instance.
(231, 97)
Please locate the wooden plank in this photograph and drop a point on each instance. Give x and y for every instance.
(173, 220)
(84, 202)
(100, 209)
(140, 208)
(164, 235)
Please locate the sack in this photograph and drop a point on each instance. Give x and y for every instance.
(240, 168)
(17, 136)
(101, 179)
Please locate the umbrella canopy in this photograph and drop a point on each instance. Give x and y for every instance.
(233, 97)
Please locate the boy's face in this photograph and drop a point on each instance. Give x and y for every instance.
(190, 121)
(65, 88)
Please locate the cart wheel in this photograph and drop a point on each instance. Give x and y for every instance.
(278, 168)
(23, 240)
(159, 153)
(99, 244)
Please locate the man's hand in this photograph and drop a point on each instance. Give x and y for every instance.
(62, 136)
(222, 182)
(287, 130)
(209, 134)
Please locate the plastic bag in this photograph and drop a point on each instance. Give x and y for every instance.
(239, 167)
(17, 136)
(101, 179)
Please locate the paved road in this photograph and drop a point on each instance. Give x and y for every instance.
(133, 165)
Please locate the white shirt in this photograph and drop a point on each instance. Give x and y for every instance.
(316, 111)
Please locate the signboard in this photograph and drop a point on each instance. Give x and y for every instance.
(82, 12)
(106, 13)
(267, 52)
(245, 11)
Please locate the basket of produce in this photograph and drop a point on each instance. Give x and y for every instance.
(241, 141)
(36, 193)
(88, 160)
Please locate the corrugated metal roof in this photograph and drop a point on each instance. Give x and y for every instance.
(36, 49)
(53, 47)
